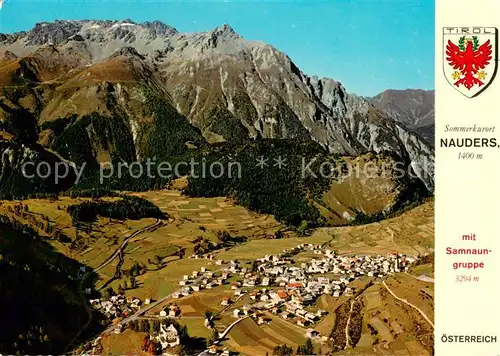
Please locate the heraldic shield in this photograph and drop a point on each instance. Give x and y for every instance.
(470, 58)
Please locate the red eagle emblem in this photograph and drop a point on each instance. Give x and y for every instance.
(469, 60)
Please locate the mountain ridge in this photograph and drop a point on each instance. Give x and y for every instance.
(227, 87)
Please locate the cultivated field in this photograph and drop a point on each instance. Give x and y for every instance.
(126, 343)
(248, 338)
(390, 327)
(387, 326)
(411, 232)
(196, 304)
(259, 248)
(189, 219)
(211, 213)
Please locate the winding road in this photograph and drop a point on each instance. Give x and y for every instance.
(223, 334)
(125, 242)
(408, 303)
(104, 264)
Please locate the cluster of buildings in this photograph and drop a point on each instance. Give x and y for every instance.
(207, 256)
(274, 283)
(118, 305)
(200, 280)
(286, 304)
(285, 288)
(277, 270)
(277, 284)
(167, 336)
(170, 311)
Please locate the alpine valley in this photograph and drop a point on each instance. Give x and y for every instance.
(87, 94)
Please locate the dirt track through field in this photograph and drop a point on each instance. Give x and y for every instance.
(124, 244)
(347, 326)
(408, 303)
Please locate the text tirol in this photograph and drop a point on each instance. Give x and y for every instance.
(469, 30)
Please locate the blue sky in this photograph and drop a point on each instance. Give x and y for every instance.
(368, 45)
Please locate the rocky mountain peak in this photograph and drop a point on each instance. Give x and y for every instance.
(60, 31)
(225, 31)
(228, 87)
(55, 32)
(128, 20)
(331, 93)
(158, 28)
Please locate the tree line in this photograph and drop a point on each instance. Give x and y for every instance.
(128, 207)
(285, 350)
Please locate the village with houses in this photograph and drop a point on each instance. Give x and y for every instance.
(274, 284)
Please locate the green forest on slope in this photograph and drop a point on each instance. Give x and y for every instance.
(280, 190)
(43, 308)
